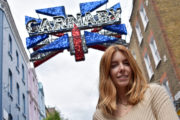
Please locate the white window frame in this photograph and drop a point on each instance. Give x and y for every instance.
(148, 66)
(143, 15)
(154, 51)
(165, 84)
(146, 2)
(134, 54)
(138, 32)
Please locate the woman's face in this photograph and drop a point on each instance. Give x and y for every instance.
(120, 70)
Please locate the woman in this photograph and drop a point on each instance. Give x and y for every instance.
(125, 95)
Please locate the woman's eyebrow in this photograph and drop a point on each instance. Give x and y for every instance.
(125, 60)
(113, 61)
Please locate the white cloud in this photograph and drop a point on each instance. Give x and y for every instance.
(71, 86)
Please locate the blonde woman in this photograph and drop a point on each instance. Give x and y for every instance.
(125, 95)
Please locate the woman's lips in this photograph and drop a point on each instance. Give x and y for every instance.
(122, 77)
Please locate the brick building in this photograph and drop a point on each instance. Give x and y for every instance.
(155, 43)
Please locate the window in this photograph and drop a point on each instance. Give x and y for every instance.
(144, 17)
(146, 2)
(22, 72)
(138, 32)
(10, 79)
(166, 86)
(17, 58)
(10, 117)
(154, 51)
(148, 66)
(10, 45)
(17, 117)
(18, 94)
(134, 54)
(24, 104)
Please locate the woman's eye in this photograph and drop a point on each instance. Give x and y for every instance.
(126, 63)
(113, 65)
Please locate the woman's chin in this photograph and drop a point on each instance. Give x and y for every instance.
(122, 84)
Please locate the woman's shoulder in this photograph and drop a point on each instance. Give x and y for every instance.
(155, 94)
(154, 87)
(157, 90)
(97, 115)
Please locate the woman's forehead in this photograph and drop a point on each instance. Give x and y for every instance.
(118, 55)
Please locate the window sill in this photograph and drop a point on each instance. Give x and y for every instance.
(10, 95)
(140, 41)
(150, 78)
(18, 106)
(158, 64)
(24, 115)
(17, 68)
(145, 26)
(23, 81)
(10, 55)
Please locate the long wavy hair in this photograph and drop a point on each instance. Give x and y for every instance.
(137, 86)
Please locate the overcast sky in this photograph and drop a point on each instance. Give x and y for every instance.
(70, 86)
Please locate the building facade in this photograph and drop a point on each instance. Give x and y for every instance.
(33, 95)
(42, 112)
(155, 43)
(1, 53)
(13, 69)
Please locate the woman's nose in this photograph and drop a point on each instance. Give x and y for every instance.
(121, 67)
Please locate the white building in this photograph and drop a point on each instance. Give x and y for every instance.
(13, 69)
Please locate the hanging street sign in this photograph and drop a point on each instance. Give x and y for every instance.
(66, 24)
(48, 38)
